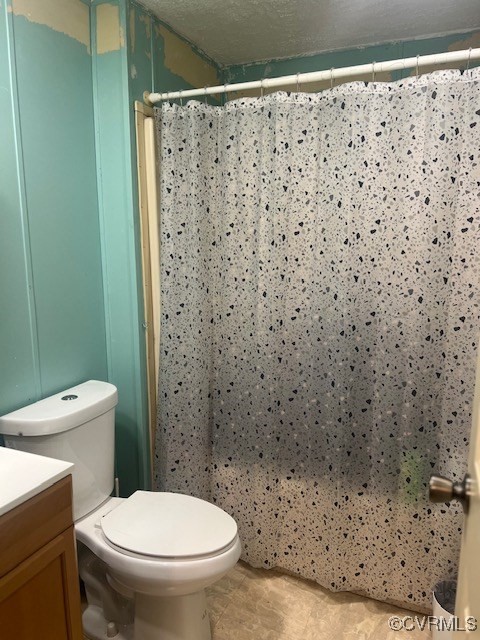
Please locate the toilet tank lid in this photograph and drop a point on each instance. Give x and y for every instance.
(61, 412)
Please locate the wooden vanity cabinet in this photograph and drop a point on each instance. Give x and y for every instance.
(39, 587)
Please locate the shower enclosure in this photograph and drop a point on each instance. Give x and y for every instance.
(320, 306)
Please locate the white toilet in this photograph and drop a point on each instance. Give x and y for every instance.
(145, 560)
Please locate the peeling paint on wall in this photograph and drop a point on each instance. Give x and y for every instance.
(182, 60)
(147, 21)
(70, 17)
(132, 29)
(472, 41)
(110, 35)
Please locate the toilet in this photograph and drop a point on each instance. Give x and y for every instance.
(145, 560)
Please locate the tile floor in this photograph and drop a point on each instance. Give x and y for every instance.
(254, 604)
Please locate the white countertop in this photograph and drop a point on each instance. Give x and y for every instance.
(23, 475)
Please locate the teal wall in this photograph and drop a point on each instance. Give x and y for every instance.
(52, 332)
(336, 59)
(119, 230)
(19, 365)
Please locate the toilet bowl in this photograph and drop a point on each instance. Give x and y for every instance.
(145, 560)
(167, 588)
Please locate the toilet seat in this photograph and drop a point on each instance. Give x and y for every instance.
(168, 525)
(152, 575)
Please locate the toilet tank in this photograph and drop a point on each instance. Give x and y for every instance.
(76, 425)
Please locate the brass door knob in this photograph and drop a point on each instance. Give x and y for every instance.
(441, 489)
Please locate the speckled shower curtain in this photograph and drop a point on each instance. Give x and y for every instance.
(320, 311)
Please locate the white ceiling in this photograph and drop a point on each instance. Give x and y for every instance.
(238, 31)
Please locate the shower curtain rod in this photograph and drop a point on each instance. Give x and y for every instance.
(415, 62)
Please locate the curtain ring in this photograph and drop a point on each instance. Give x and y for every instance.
(298, 84)
(373, 71)
(205, 89)
(225, 92)
(261, 88)
(469, 56)
(331, 78)
(180, 97)
(417, 66)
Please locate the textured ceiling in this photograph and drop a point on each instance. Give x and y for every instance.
(238, 31)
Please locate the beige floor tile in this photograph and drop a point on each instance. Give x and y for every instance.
(264, 606)
(352, 617)
(221, 594)
(343, 617)
(270, 605)
(273, 614)
(232, 627)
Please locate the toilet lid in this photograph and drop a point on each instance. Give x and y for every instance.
(168, 525)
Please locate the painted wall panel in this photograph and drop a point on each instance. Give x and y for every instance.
(52, 322)
(119, 224)
(19, 379)
(140, 61)
(60, 179)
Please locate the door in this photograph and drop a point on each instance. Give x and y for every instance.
(467, 606)
(468, 589)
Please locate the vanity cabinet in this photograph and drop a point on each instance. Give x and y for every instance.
(39, 587)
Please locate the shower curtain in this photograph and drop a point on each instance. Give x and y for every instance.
(320, 314)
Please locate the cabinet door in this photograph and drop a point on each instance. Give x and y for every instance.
(40, 598)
